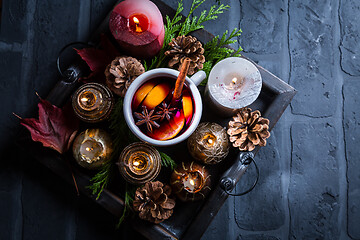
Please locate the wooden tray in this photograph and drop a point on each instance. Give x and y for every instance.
(189, 220)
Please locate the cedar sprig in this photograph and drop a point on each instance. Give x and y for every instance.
(129, 198)
(196, 23)
(167, 161)
(218, 49)
(101, 179)
(173, 26)
(215, 48)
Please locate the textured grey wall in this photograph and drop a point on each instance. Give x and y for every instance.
(310, 182)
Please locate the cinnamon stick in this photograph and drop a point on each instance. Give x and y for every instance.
(181, 78)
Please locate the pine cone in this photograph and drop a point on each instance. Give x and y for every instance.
(121, 72)
(183, 47)
(248, 129)
(153, 203)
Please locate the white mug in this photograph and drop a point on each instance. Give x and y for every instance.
(192, 83)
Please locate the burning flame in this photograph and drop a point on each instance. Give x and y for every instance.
(136, 20)
(84, 99)
(209, 140)
(192, 182)
(136, 163)
(232, 84)
(137, 24)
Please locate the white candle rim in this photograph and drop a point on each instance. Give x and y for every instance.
(244, 99)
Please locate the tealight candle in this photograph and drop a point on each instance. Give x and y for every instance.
(190, 181)
(209, 140)
(92, 102)
(233, 83)
(89, 99)
(209, 143)
(138, 27)
(92, 148)
(139, 163)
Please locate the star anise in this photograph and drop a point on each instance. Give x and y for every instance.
(165, 111)
(148, 118)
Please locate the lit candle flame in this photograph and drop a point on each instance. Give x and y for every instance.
(137, 23)
(209, 140)
(87, 100)
(88, 149)
(136, 163)
(233, 83)
(192, 182)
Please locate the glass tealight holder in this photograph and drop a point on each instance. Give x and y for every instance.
(139, 163)
(92, 102)
(209, 143)
(92, 148)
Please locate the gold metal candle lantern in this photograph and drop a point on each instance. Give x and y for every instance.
(190, 181)
(92, 102)
(139, 163)
(209, 143)
(92, 148)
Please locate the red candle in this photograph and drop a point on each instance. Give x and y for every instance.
(138, 27)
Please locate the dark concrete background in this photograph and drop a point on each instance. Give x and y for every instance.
(310, 182)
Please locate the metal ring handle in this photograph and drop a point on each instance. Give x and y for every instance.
(228, 184)
(62, 51)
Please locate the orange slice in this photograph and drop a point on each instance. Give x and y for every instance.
(142, 92)
(156, 95)
(187, 106)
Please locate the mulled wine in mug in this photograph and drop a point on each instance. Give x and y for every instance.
(154, 116)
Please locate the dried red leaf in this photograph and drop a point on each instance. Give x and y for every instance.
(98, 58)
(56, 128)
(94, 58)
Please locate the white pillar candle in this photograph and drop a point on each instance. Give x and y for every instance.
(233, 83)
